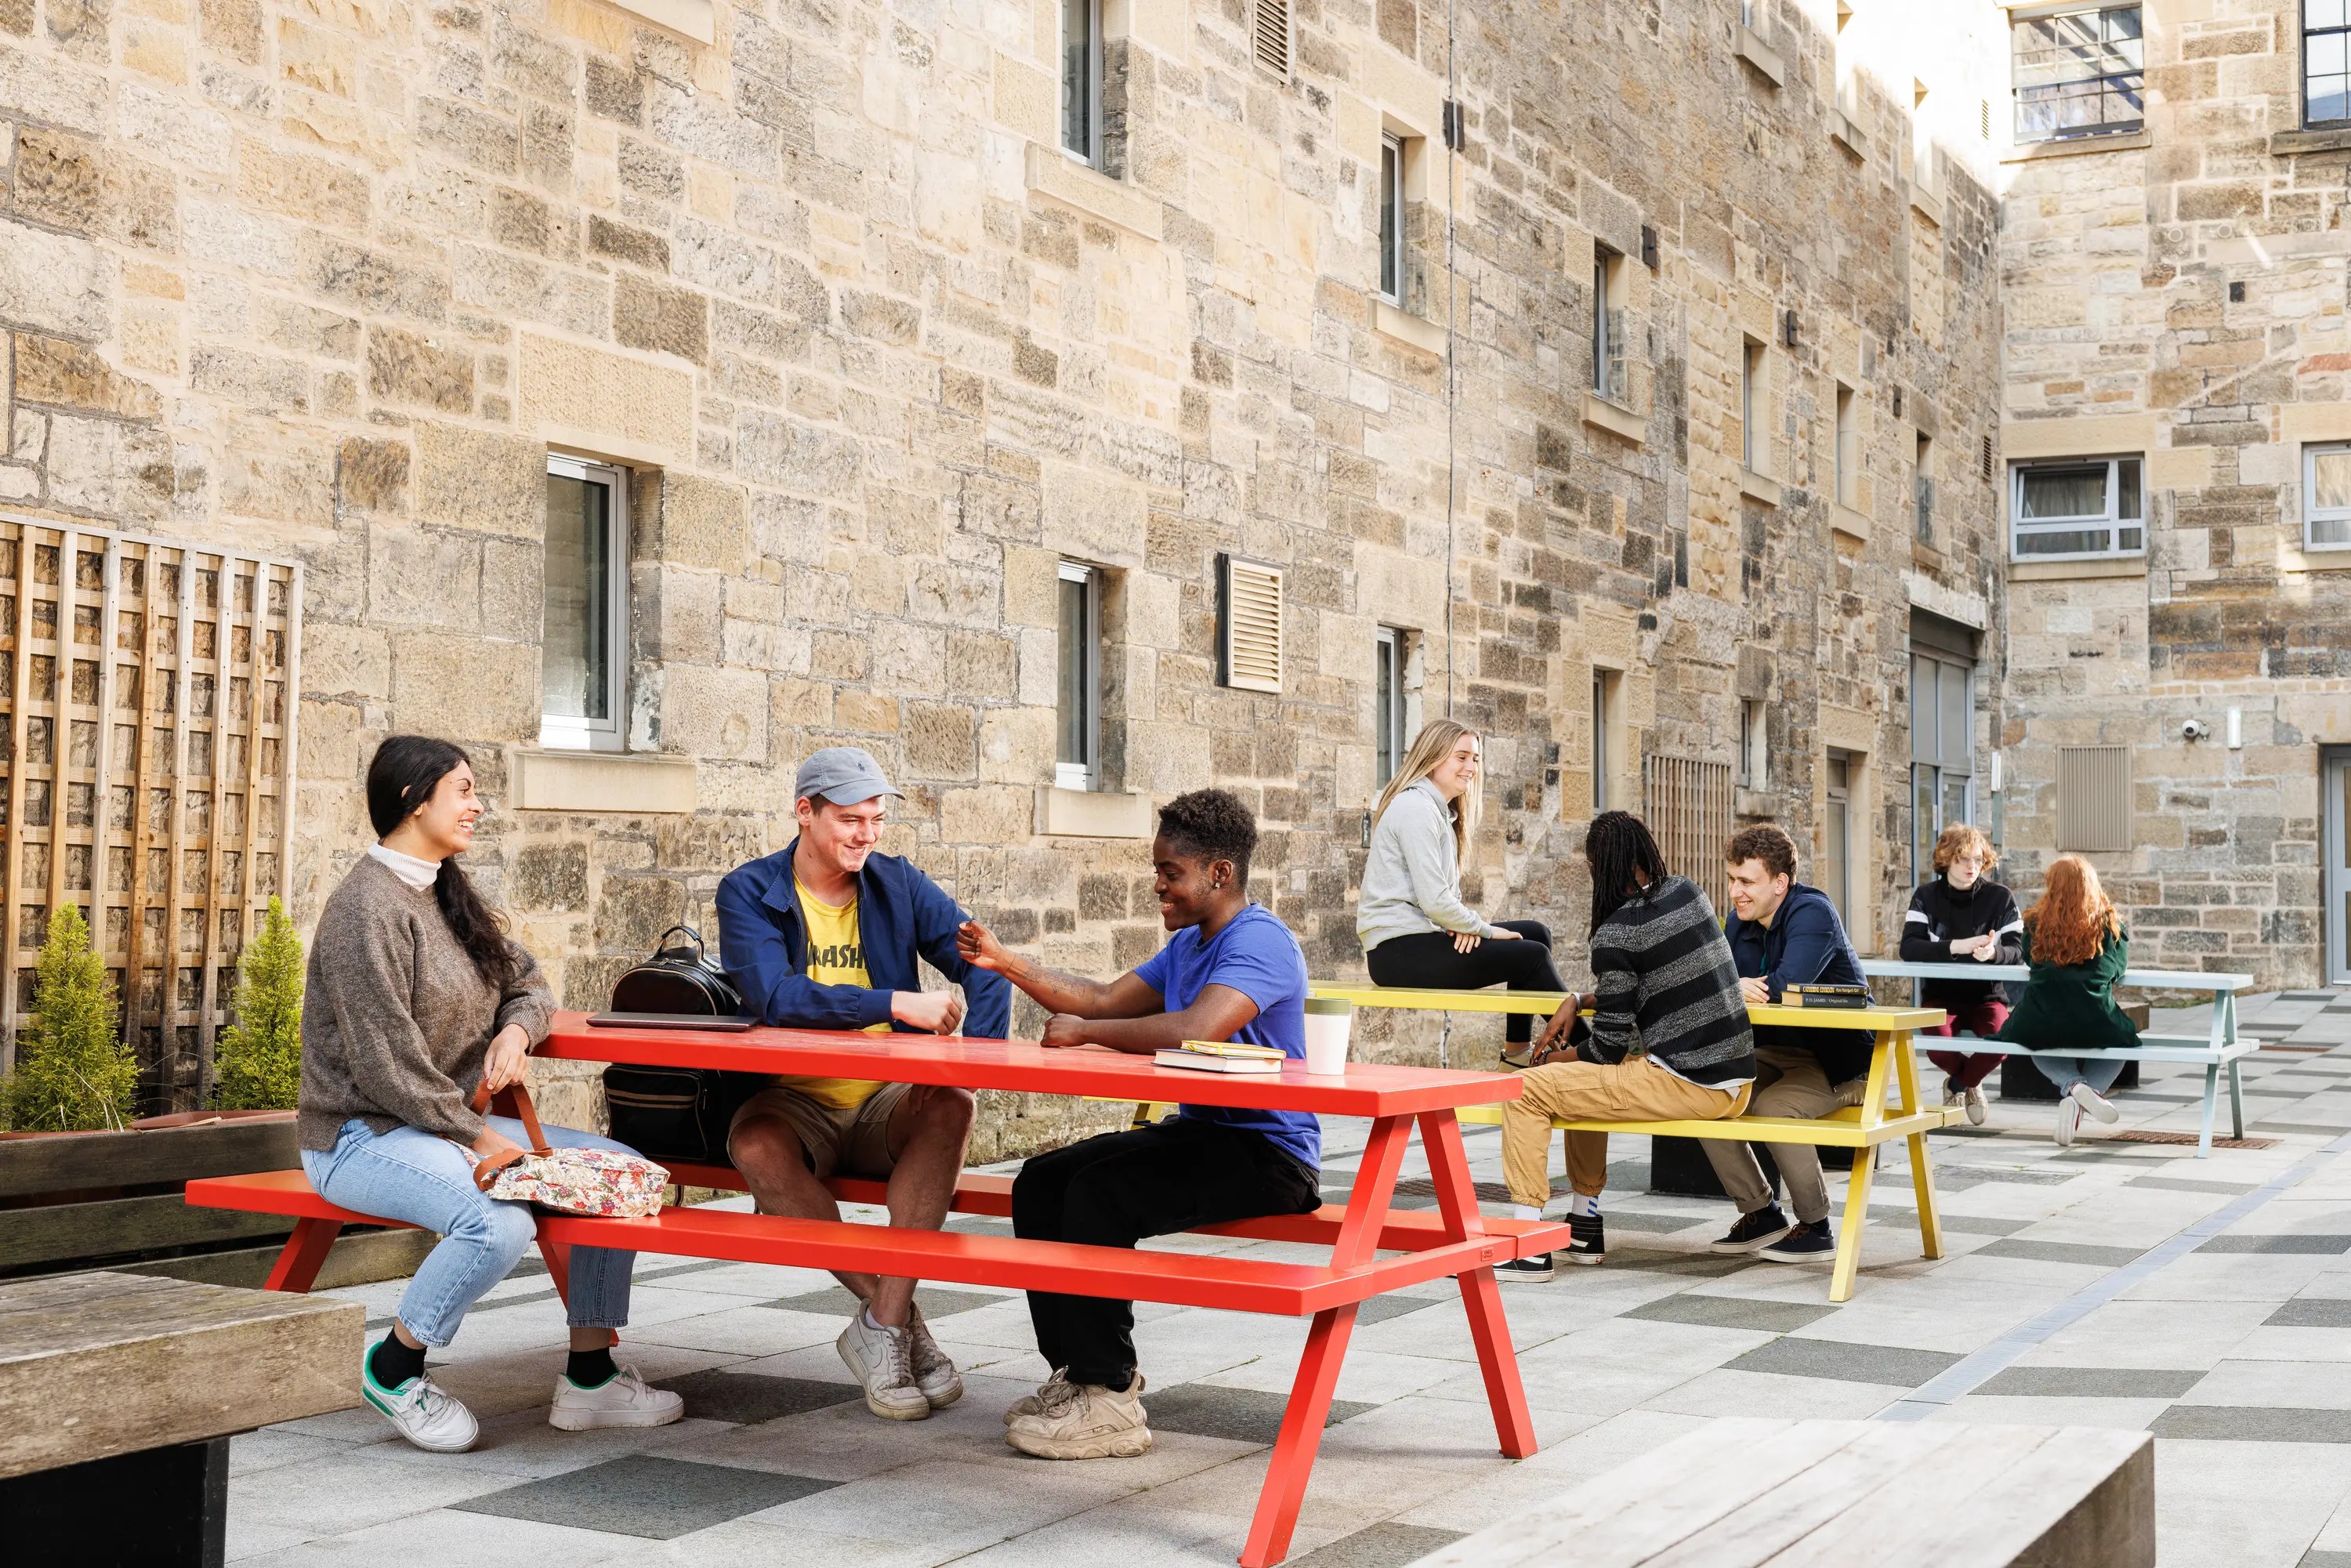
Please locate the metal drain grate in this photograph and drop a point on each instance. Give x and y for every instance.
(2141, 1135)
(1422, 1187)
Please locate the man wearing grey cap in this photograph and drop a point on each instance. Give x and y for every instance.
(824, 934)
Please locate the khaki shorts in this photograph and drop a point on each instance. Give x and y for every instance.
(854, 1141)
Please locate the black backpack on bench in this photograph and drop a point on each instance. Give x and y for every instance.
(674, 1113)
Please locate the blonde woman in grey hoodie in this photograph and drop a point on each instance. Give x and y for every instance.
(1416, 930)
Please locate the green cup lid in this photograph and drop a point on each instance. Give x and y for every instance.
(1330, 1008)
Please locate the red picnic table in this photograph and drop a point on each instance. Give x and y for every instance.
(1456, 1242)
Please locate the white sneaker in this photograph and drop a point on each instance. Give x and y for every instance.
(882, 1361)
(2069, 1121)
(935, 1375)
(622, 1400)
(420, 1412)
(1088, 1422)
(1978, 1111)
(1050, 1392)
(2099, 1107)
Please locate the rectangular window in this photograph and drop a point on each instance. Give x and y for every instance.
(1392, 219)
(1942, 726)
(2076, 507)
(2327, 497)
(1754, 746)
(1081, 55)
(1607, 324)
(2325, 62)
(1077, 706)
(1603, 721)
(1848, 449)
(1752, 443)
(1250, 634)
(1388, 723)
(2082, 70)
(1926, 489)
(583, 646)
(1836, 837)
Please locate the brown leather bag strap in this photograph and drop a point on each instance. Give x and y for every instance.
(516, 1099)
(486, 1172)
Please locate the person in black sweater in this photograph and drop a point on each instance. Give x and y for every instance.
(1963, 917)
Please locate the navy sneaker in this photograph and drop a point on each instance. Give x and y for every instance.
(1525, 1270)
(1761, 1229)
(1804, 1244)
(1587, 1241)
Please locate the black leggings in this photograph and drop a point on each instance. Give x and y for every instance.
(1426, 959)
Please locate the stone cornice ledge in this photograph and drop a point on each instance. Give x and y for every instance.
(2071, 146)
(1415, 332)
(612, 781)
(1847, 521)
(696, 19)
(1927, 204)
(1844, 131)
(1054, 174)
(1756, 487)
(2070, 570)
(1614, 418)
(2335, 139)
(1762, 56)
(1092, 814)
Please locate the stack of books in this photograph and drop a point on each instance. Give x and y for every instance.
(1825, 996)
(1220, 1056)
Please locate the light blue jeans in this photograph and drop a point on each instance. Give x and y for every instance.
(427, 1181)
(2098, 1071)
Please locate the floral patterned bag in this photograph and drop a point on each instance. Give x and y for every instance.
(602, 1183)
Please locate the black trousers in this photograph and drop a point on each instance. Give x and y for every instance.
(1115, 1189)
(1427, 959)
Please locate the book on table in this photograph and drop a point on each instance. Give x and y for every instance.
(1221, 1056)
(1825, 996)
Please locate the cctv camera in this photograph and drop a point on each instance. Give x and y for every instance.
(2194, 729)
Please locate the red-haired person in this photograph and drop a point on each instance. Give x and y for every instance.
(2078, 948)
(1963, 917)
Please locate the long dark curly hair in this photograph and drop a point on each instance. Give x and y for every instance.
(407, 768)
(1618, 845)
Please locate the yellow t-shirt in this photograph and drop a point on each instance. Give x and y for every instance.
(836, 957)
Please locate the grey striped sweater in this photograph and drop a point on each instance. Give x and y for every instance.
(1667, 990)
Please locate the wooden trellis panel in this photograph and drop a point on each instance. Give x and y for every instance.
(147, 712)
(1687, 804)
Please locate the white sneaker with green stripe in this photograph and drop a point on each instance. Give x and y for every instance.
(420, 1412)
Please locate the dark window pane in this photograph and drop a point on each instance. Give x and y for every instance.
(1073, 699)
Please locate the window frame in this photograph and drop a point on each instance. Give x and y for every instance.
(1922, 488)
(1603, 719)
(1392, 218)
(1836, 830)
(1754, 744)
(1752, 367)
(1085, 773)
(1608, 344)
(2018, 135)
(562, 732)
(2311, 451)
(1844, 437)
(2305, 32)
(1934, 770)
(2112, 523)
(1392, 650)
(1091, 60)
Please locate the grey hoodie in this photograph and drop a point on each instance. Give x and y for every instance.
(1412, 879)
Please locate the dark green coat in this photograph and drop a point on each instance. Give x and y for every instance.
(2071, 1008)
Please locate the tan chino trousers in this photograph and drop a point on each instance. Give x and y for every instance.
(1631, 1090)
(1786, 1084)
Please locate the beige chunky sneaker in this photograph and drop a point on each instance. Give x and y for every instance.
(935, 1375)
(1029, 1404)
(880, 1359)
(1087, 1422)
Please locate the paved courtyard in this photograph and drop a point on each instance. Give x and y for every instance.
(2123, 1283)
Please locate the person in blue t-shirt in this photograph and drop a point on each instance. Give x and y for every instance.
(1231, 971)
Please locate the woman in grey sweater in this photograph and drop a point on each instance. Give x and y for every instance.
(416, 999)
(1414, 928)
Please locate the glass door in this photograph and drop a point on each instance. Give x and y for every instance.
(2335, 812)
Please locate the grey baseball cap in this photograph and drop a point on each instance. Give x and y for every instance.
(843, 775)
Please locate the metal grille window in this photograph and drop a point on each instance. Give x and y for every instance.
(1688, 806)
(584, 657)
(1251, 596)
(1269, 34)
(1942, 724)
(1081, 55)
(1392, 219)
(1607, 325)
(2082, 71)
(2094, 797)
(1388, 725)
(2327, 497)
(1077, 696)
(2076, 509)
(2325, 62)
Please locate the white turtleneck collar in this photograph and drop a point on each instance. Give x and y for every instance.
(415, 872)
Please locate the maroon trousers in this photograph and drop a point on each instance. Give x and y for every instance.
(1984, 1019)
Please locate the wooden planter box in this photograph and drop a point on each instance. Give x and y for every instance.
(85, 1200)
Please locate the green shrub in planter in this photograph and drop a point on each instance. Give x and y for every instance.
(258, 1063)
(74, 1072)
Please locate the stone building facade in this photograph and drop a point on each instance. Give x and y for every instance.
(1627, 462)
(2175, 294)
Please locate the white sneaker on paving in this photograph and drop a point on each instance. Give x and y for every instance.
(882, 1361)
(2099, 1107)
(935, 1375)
(1978, 1111)
(1048, 1393)
(1088, 1422)
(624, 1399)
(2069, 1121)
(420, 1413)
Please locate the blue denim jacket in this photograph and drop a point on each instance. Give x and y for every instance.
(901, 913)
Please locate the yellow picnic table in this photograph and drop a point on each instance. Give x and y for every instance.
(1859, 1128)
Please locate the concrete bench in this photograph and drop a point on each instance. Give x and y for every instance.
(2216, 1051)
(123, 1391)
(1741, 1492)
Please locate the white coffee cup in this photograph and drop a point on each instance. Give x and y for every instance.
(1327, 1025)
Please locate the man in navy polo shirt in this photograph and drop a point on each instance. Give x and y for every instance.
(1230, 971)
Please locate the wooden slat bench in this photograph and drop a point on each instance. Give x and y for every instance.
(2216, 1051)
(1742, 1493)
(1862, 1127)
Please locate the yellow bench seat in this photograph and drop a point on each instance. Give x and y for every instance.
(1842, 1129)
